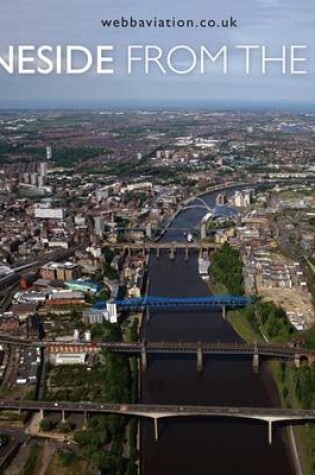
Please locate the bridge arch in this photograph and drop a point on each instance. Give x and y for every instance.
(304, 359)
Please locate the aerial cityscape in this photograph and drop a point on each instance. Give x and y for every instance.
(157, 238)
(157, 272)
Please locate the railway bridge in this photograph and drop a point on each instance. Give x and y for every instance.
(143, 349)
(157, 247)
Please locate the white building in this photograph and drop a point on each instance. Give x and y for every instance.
(48, 153)
(99, 225)
(42, 168)
(112, 312)
(49, 213)
(70, 358)
(242, 199)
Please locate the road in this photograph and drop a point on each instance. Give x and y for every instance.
(159, 411)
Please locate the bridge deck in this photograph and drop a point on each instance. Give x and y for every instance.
(158, 410)
(272, 350)
(187, 302)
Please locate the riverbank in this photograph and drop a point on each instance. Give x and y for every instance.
(243, 328)
(284, 378)
(286, 396)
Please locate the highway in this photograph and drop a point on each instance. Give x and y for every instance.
(158, 410)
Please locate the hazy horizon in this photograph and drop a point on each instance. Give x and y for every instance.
(86, 105)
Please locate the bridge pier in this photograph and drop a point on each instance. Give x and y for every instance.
(85, 420)
(256, 360)
(297, 360)
(224, 312)
(158, 252)
(147, 314)
(144, 359)
(311, 360)
(156, 429)
(148, 230)
(143, 252)
(172, 254)
(186, 253)
(203, 231)
(41, 414)
(200, 252)
(63, 416)
(199, 360)
(269, 432)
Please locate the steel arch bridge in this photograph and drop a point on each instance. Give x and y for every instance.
(151, 302)
(201, 205)
(212, 213)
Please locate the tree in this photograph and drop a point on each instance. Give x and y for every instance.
(66, 427)
(46, 425)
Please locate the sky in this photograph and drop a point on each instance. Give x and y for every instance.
(262, 22)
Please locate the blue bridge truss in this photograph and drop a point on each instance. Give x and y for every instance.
(174, 302)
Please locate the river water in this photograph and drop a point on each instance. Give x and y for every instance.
(194, 445)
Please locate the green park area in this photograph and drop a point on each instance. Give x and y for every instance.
(226, 270)
(106, 443)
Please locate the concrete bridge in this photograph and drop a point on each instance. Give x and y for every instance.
(157, 411)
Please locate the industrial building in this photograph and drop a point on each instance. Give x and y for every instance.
(83, 285)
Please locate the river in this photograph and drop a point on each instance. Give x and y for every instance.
(194, 445)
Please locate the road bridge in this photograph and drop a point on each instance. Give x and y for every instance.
(158, 411)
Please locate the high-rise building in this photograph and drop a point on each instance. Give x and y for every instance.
(42, 168)
(41, 181)
(221, 199)
(112, 312)
(48, 153)
(242, 199)
(26, 177)
(61, 271)
(34, 179)
(99, 225)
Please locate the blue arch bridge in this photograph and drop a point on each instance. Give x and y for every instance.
(164, 303)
